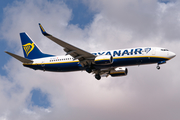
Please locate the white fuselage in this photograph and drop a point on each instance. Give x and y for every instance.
(121, 57)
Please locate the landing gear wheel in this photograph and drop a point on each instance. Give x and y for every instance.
(89, 70)
(97, 76)
(158, 67)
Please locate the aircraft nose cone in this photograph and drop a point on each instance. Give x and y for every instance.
(171, 55)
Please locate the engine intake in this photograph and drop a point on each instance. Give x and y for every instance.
(103, 60)
(120, 71)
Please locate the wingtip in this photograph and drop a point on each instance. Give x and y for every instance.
(43, 30)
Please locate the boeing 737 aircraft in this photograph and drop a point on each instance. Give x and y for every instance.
(101, 64)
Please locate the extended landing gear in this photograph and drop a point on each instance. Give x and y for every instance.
(89, 70)
(158, 67)
(160, 62)
(97, 76)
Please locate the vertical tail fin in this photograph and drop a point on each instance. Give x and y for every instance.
(30, 49)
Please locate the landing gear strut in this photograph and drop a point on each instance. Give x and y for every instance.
(158, 67)
(97, 76)
(160, 62)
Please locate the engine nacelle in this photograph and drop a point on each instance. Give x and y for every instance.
(120, 71)
(103, 60)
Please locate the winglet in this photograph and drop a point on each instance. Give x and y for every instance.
(43, 31)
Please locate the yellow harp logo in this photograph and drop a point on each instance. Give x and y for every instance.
(28, 48)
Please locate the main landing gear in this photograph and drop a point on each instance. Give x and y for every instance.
(97, 76)
(89, 70)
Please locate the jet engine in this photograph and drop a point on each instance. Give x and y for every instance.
(120, 71)
(103, 60)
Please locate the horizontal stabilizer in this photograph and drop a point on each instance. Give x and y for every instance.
(22, 59)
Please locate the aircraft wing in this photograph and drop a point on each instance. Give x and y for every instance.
(84, 57)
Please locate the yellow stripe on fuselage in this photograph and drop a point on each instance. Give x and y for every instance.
(101, 59)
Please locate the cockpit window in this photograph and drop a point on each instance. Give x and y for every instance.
(164, 50)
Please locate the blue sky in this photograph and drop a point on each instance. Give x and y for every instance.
(81, 16)
(40, 98)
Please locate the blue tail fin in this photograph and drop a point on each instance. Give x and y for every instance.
(30, 49)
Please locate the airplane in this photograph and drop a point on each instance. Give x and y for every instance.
(101, 64)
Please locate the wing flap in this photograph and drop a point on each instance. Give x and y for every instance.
(22, 59)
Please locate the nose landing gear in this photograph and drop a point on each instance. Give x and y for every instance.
(161, 62)
(158, 67)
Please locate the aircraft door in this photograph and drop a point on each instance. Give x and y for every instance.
(42, 64)
(154, 51)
